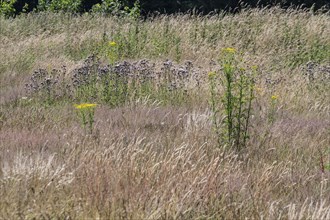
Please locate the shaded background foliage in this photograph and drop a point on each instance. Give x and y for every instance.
(206, 6)
(173, 6)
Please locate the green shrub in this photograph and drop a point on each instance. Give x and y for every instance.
(60, 5)
(117, 8)
(7, 8)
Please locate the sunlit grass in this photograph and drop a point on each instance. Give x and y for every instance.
(152, 147)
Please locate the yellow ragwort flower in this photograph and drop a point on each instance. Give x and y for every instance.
(229, 50)
(274, 97)
(112, 43)
(212, 74)
(254, 67)
(85, 106)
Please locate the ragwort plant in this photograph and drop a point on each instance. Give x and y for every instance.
(232, 105)
(85, 112)
(112, 52)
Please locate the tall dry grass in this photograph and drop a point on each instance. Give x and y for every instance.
(145, 160)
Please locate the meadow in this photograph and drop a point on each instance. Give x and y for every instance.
(225, 116)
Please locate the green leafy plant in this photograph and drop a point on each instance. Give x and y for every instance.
(232, 106)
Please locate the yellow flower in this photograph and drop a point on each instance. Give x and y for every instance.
(85, 106)
(212, 74)
(112, 43)
(229, 50)
(254, 67)
(274, 97)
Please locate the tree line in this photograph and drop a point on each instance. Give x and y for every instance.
(14, 7)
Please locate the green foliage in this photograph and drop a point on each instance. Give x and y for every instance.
(232, 106)
(117, 8)
(7, 8)
(72, 6)
(106, 7)
(135, 11)
(133, 8)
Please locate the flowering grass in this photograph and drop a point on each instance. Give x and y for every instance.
(149, 160)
